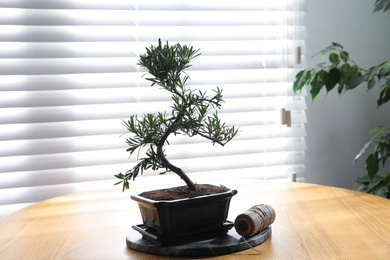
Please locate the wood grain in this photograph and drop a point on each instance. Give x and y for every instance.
(312, 222)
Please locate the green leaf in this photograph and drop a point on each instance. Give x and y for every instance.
(384, 69)
(371, 73)
(344, 74)
(365, 180)
(383, 148)
(378, 128)
(301, 79)
(337, 45)
(383, 151)
(354, 82)
(371, 83)
(387, 194)
(361, 187)
(325, 50)
(355, 72)
(334, 59)
(317, 83)
(368, 184)
(367, 145)
(119, 176)
(344, 56)
(379, 5)
(341, 86)
(384, 95)
(385, 181)
(372, 165)
(333, 79)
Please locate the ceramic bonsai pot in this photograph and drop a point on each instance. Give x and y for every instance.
(171, 218)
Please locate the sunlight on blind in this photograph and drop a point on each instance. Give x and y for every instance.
(69, 75)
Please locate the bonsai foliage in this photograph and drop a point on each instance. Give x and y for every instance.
(342, 72)
(190, 113)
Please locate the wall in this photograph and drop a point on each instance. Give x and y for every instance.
(338, 126)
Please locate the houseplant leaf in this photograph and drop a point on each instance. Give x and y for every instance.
(301, 79)
(333, 79)
(372, 165)
(318, 82)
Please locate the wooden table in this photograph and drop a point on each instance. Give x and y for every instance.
(312, 222)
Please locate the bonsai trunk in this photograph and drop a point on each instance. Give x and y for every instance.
(168, 165)
(179, 172)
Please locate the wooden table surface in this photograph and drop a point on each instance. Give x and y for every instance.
(312, 222)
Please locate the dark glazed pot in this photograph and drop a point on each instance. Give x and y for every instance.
(170, 218)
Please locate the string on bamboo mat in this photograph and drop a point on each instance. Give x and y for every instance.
(253, 221)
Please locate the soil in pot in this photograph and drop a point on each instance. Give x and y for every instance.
(183, 192)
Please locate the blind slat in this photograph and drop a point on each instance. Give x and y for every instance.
(196, 147)
(113, 126)
(133, 49)
(41, 17)
(12, 33)
(128, 95)
(247, 5)
(96, 112)
(126, 64)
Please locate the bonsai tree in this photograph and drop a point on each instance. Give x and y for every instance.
(341, 71)
(190, 113)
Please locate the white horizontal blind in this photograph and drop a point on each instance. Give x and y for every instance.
(69, 74)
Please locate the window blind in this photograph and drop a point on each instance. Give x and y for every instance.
(69, 75)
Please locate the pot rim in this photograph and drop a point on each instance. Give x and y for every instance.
(137, 197)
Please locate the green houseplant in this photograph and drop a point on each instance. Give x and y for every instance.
(192, 113)
(344, 74)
